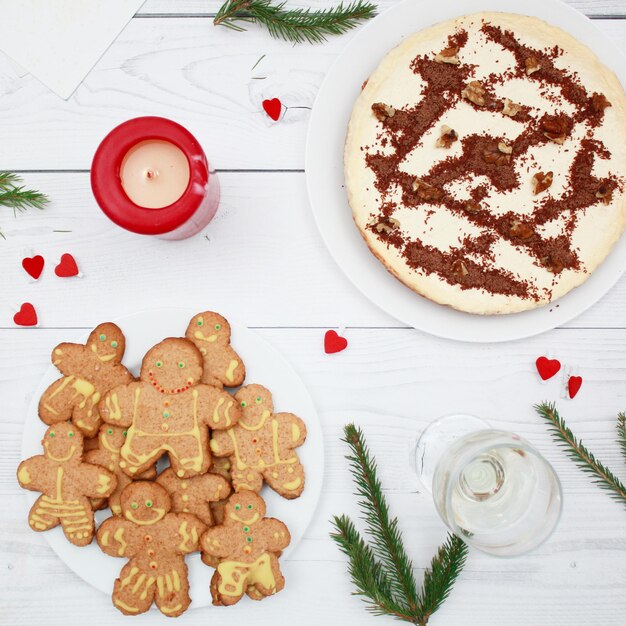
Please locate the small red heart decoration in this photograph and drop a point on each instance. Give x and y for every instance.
(67, 267)
(334, 343)
(573, 385)
(547, 368)
(273, 108)
(26, 316)
(33, 265)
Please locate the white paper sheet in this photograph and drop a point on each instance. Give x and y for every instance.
(59, 41)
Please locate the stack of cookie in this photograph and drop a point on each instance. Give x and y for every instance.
(107, 430)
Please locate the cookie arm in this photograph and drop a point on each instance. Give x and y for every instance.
(118, 537)
(96, 481)
(68, 358)
(188, 529)
(31, 473)
(278, 537)
(217, 541)
(213, 487)
(219, 408)
(117, 407)
(221, 443)
(292, 428)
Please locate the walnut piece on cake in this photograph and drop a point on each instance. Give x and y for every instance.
(447, 137)
(448, 55)
(383, 111)
(532, 65)
(472, 207)
(555, 128)
(458, 268)
(474, 92)
(599, 102)
(511, 109)
(521, 230)
(498, 154)
(425, 191)
(604, 193)
(541, 181)
(384, 224)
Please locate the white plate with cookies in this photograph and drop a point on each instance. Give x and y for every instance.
(265, 366)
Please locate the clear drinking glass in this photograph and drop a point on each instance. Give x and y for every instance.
(490, 487)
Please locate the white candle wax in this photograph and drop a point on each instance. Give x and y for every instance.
(154, 173)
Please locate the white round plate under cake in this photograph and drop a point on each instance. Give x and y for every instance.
(264, 365)
(325, 180)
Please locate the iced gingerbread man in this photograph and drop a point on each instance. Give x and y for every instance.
(156, 542)
(223, 367)
(66, 484)
(261, 445)
(108, 455)
(246, 548)
(168, 410)
(89, 371)
(194, 495)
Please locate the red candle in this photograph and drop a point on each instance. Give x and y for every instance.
(151, 176)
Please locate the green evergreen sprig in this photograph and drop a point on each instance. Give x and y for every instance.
(15, 196)
(581, 456)
(382, 572)
(295, 25)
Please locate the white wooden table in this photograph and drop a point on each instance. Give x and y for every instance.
(263, 257)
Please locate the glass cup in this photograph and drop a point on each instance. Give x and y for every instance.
(491, 488)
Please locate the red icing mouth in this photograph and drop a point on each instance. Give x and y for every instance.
(164, 389)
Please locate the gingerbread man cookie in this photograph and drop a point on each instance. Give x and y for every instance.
(194, 495)
(155, 541)
(246, 546)
(223, 367)
(89, 371)
(261, 445)
(168, 410)
(66, 483)
(108, 455)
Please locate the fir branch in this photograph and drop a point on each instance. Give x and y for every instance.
(441, 576)
(621, 432)
(18, 198)
(295, 25)
(388, 546)
(367, 574)
(582, 457)
(382, 573)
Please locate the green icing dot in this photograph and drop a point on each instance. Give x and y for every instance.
(246, 529)
(166, 413)
(103, 337)
(237, 507)
(70, 434)
(249, 539)
(148, 503)
(181, 365)
(134, 505)
(200, 322)
(258, 400)
(249, 506)
(218, 326)
(110, 431)
(243, 404)
(114, 344)
(125, 433)
(52, 434)
(159, 363)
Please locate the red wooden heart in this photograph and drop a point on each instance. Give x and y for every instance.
(26, 316)
(547, 368)
(67, 267)
(273, 108)
(573, 385)
(334, 343)
(33, 265)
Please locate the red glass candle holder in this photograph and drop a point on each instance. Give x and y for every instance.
(185, 217)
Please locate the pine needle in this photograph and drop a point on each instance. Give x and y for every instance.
(295, 25)
(621, 432)
(382, 572)
(582, 457)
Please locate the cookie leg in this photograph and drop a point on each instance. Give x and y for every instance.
(86, 417)
(172, 591)
(272, 581)
(140, 453)
(134, 590)
(287, 479)
(185, 464)
(247, 479)
(227, 593)
(41, 517)
(78, 523)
